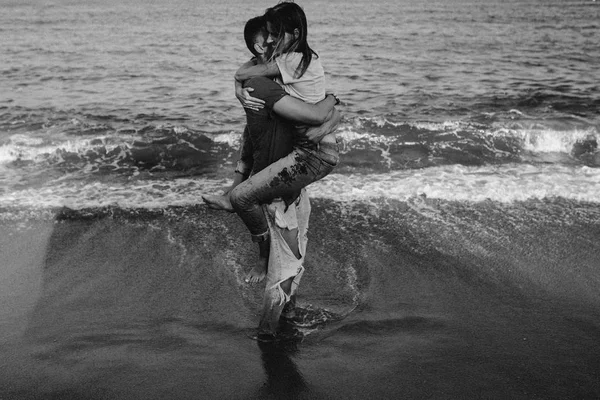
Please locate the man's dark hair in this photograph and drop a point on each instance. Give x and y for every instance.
(254, 27)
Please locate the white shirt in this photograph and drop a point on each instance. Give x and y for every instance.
(310, 87)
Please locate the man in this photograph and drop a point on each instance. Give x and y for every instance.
(268, 136)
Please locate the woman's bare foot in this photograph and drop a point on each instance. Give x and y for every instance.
(218, 202)
(258, 273)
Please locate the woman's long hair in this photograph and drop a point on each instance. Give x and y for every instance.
(287, 17)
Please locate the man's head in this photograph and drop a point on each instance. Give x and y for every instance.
(255, 35)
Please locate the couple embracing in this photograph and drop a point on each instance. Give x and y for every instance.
(288, 143)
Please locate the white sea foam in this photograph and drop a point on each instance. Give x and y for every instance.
(439, 126)
(231, 139)
(545, 140)
(29, 148)
(506, 183)
(143, 194)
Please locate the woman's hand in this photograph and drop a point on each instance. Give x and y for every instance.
(316, 133)
(247, 101)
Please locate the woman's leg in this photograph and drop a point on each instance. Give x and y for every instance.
(284, 178)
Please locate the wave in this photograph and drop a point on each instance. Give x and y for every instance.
(50, 160)
(470, 143)
(369, 144)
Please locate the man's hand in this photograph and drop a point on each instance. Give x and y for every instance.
(247, 101)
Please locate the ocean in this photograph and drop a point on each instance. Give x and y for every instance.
(453, 253)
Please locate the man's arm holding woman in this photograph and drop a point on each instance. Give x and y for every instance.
(322, 117)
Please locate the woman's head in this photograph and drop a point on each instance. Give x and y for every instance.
(288, 32)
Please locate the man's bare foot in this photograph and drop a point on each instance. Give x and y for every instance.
(218, 202)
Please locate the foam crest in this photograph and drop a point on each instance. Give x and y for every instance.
(456, 183)
(439, 126)
(551, 141)
(535, 139)
(356, 134)
(24, 148)
(506, 183)
(232, 139)
(148, 194)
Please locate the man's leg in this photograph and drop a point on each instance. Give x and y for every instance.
(272, 309)
(285, 269)
(288, 310)
(291, 238)
(303, 210)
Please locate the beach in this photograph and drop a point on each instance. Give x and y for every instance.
(453, 252)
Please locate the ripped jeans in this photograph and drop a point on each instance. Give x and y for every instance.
(282, 179)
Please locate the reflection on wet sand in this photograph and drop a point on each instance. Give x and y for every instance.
(284, 379)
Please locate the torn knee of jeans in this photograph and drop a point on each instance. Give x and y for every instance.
(276, 295)
(283, 296)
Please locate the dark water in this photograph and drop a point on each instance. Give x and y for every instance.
(445, 300)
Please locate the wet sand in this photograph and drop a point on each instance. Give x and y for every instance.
(139, 305)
